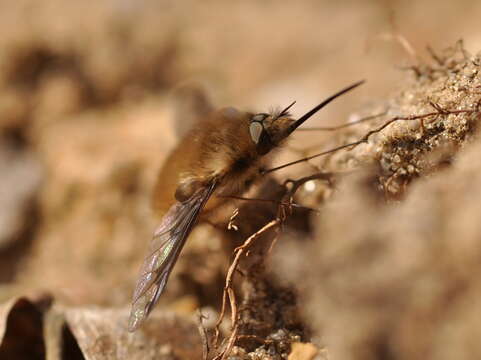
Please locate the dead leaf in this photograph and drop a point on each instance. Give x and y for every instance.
(21, 330)
(102, 334)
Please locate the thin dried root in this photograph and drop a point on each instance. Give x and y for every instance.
(229, 294)
(364, 140)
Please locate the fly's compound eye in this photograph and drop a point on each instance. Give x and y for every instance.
(259, 135)
(256, 129)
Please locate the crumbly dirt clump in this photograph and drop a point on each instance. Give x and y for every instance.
(392, 272)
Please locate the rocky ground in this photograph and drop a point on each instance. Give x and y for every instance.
(90, 106)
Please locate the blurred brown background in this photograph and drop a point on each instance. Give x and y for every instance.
(86, 111)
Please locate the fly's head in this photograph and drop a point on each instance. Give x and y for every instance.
(269, 130)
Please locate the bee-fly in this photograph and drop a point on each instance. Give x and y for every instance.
(219, 156)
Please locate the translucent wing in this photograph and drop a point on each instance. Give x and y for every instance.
(165, 247)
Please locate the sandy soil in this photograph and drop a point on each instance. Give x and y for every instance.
(90, 107)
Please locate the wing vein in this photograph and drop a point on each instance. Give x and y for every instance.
(165, 247)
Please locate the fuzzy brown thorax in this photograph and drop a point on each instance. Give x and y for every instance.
(223, 147)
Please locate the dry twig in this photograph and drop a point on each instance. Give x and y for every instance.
(364, 140)
(229, 291)
(203, 336)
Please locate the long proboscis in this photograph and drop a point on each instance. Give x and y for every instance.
(307, 115)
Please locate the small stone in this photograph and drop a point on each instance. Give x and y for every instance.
(303, 351)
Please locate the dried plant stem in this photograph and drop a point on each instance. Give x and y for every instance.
(439, 111)
(229, 291)
(203, 336)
